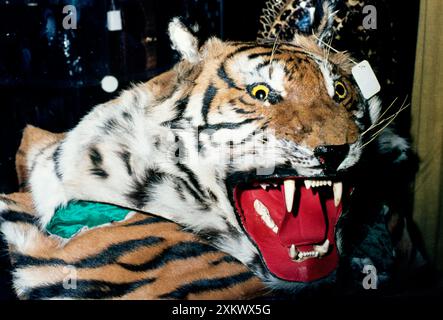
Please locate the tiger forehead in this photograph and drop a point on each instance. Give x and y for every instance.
(290, 65)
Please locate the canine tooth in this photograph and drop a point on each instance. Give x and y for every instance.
(338, 191)
(322, 249)
(293, 252)
(308, 184)
(275, 229)
(289, 194)
(264, 186)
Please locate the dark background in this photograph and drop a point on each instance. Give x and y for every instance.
(50, 77)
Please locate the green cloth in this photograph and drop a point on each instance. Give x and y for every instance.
(69, 220)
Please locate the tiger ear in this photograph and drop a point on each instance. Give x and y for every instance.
(183, 41)
(287, 19)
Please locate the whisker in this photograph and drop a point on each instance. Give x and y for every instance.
(332, 48)
(375, 135)
(381, 116)
(274, 48)
(380, 120)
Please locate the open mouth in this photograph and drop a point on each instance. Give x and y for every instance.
(292, 222)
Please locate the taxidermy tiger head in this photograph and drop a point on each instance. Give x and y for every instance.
(252, 145)
(280, 127)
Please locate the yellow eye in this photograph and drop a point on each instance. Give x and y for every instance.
(260, 92)
(340, 90)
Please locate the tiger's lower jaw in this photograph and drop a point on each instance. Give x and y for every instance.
(291, 221)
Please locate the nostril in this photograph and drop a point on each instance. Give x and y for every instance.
(331, 156)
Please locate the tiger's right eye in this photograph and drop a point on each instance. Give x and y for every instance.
(260, 92)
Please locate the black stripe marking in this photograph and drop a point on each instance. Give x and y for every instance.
(242, 111)
(192, 177)
(95, 156)
(204, 285)
(147, 221)
(127, 116)
(262, 65)
(40, 153)
(179, 251)
(241, 49)
(142, 188)
(7, 200)
(126, 158)
(246, 103)
(16, 216)
(99, 173)
(180, 108)
(87, 289)
(221, 72)
(56, 159)
(195, 195)
(209, 95)
(110, 126)
(227, 259)
(229, 125)
(108, 255)
(97, 161)
(260, 54)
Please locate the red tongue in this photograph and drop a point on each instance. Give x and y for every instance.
(308, 225)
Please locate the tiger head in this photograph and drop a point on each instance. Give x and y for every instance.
(280, 126)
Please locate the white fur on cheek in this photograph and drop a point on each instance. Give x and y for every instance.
(374, 109)
(328, 78)
(183, 41)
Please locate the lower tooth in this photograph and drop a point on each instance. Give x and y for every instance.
(293, 253)
(263, 212)
(322, 249)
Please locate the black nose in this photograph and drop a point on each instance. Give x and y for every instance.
(331, 156)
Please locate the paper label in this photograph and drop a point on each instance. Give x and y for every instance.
(366, 79)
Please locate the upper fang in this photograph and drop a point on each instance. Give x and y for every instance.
(338, 191)
(289, 186)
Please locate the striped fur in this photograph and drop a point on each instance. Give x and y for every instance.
(144, 257)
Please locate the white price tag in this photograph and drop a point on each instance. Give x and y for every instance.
(114, 20)
(366, 79)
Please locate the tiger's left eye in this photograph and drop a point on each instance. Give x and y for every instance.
(340, 91)
(260, 92)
